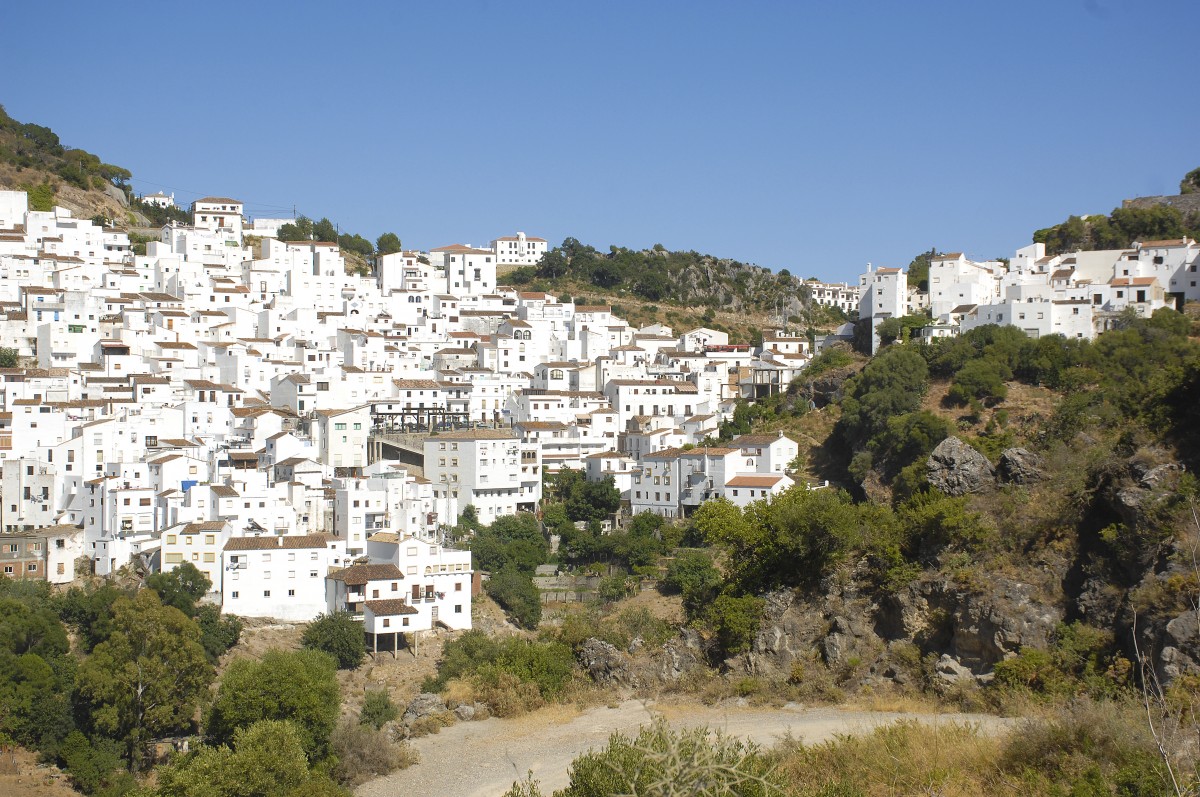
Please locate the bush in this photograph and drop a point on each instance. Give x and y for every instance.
(735, 620)
(517, 595)
(364, 752)
(525, 671)
(1089, 748)
(95, 766)
(663, 761)
(692, 575)
(339, 635)
(217, 634)
(377, 709)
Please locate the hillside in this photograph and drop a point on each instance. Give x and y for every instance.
(34, 159)
(718, 292)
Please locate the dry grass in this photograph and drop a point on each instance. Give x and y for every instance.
(22, 776)
(900, 759)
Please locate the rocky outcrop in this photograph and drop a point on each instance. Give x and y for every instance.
(603, 662)
(680, 656)
(1181, 647)
(957, 469)
(425, 704)
(865, 641)
(1019, 466)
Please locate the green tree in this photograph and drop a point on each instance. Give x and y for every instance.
(217, 634)
(692, 575)
(324, 230)
(26, 627)
(1190, 183)
(388, 243)
(95, 765)
(267, 759)
(300, 230)
(300, 686)
(146, 679)
(736, 621)
(181, 587)
(517, 595)
(981, 380)
(339, 635)
(356, 244)
(892, 384)
(36, 702)
(90, 610)
(918, 269)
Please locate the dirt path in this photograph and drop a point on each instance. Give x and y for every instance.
(482, 759)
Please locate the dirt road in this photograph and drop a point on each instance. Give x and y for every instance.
(482, 759)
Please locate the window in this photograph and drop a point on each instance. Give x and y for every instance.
(339, 427)
(403, 621)
(266, 593)
(233, 594)
(458, 608)
(387, 623)
(291, 593)
(457, 585)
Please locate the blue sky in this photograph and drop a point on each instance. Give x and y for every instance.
(809, 136)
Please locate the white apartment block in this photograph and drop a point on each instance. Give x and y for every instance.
(518, 250)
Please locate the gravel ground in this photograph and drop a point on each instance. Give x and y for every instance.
(482, 759)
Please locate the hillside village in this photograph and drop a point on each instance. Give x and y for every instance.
(242, 407)
(305, 437)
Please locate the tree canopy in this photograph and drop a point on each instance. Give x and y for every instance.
(300, 686)
(146, 679)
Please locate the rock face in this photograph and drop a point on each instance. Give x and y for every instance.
(864, 639)
(425, 704)
(603, 662)
(681, 655)
(957, 469)
(1019, 466)
(464, 713)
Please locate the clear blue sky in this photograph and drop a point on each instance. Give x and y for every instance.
(815, 136)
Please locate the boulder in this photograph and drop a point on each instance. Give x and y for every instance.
(425, 704)
(464, 713)
(950, 671)
(602, 661)
(681, 655)
(957, 469)
(1019, 466)
(1181, 647)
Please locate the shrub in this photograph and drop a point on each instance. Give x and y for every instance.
(339, 635)
(692, 575)
(522, 668)
(517, 595)
(735, 620)
(377, 709)
(663, 761)
(1090, 748)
